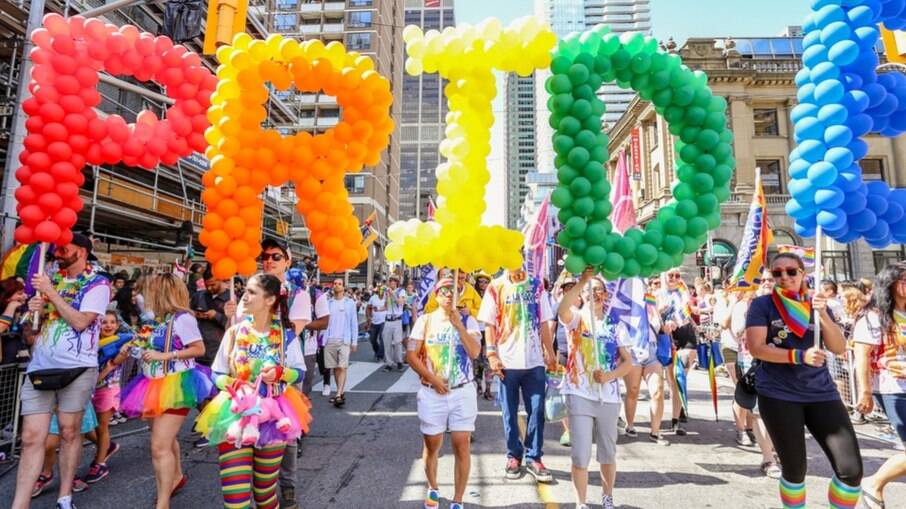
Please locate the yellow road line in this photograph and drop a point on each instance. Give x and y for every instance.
(544, 490)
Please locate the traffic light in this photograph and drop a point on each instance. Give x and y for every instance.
(226, 18)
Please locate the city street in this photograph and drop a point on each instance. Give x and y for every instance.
(367, 455)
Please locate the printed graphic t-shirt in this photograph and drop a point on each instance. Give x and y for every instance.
(440, 339)
(518, 311)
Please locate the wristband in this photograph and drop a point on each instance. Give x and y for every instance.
(796, 356)
(491, 349)
(279, 370)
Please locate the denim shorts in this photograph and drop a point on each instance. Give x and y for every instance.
(895, 408)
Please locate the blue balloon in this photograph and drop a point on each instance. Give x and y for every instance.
(856, 101)
(834, 33)
(822, 174)
(860, 124)
(867, 37)
(840, 157)
(859, 148)
(848, 181)
(894, 212)
(802, 190)
(832, 219)
(804, 110)
(827, 15)
(829, 92)
(806, 93)
(812, 150)
(816, 54)
(879, 124)
(863, 220)
(849, 236)
(880, 243)
(839, 232)
(809, 128)
(843, 53)
(799, 168)
(829, 198)
(877, 204)
(821, 72)
(888, 105)
(796, 210)
(878, 187)
(803, 76)
(892, 8)
(898, 121)
(853, 203)
(812, 37)
(860, 15)
(852, 80)
(832, 114)
(879, 231)
(895, 24)
(805, 231)
(876, 94)
(838, 136)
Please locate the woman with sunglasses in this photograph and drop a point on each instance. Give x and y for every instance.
(880, 337)
(675, 306)
(171, 383)
(598, 357)
(795, 388)
(261, 347)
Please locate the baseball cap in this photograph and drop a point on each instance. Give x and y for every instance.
(272, 243)
(81, 240)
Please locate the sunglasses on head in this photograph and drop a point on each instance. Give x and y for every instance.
(445, 291)
(791, 272)
(277, 257)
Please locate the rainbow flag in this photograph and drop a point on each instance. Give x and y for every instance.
(753, 251)
(806, 253)
(679, 374)
(22, 261)
(795, 309)
(650, 299)
(686, 309)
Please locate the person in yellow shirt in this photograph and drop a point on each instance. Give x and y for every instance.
(468, 297)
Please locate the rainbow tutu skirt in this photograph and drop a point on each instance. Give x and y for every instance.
(217, 417)
(151, 397)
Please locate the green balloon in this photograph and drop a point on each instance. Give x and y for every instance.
(685, 172)
(593, 171)
(561, 197)
(563, 144)
(705, 162)
(597, 108)
(566, 174)
(600, 190)
(688, 153)
(614, 263)
(578, 74)
(620, 59)
(726, 136)
(722, 193)
(678, 259)
(578, 246)
(674, 114)
(593, 122)
(665, 213)
(689, 134)
(715, 120)
(683, 191)
(560, 65)
(580, 186)
(599, 153)
(595, 234)
(717, 104)
(575, 264)
(601, 209)
(682, 96)
(722, 152)
(697, 226)
(646, 254)
(695, 116)
(702, 97)
(564, 215)
(602, 138)
(586, 58)
(653, 237)
(576, 227)
(570, 126)
(640, 64)
(686, 209)
(602, 64)
(635, 234)
(641, 82)
(707, 203)
(673, 244)
(562, 103)
(675, 226)
(581, 109)
(626, 247)
(564, 238)
(555, 119)
(713, 220)
(631, 268)
(679, 77)
(586, 139)
(610, 44)
(595, 81)
(595, 255)
(624, 77)
(560, 84)
(691, 244)
(584, 92)
(660, 79)
(662, 98)
(702, 183)
(583, 206)
(646, 271)
(610, 243)
(721, 174)
(578, 157)
(707, 139)
(664, 261)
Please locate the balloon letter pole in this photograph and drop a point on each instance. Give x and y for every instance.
(842, 98)
(467, 56)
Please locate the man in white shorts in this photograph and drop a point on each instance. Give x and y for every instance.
(441, 347)
(341, 337)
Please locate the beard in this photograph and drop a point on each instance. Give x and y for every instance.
(66, 262)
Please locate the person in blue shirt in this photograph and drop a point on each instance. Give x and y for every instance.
(795, 388)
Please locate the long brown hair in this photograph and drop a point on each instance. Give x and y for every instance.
(165, 294)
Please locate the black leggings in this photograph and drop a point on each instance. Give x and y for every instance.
(827, 421)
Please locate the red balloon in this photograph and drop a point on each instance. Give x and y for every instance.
(67, 191)
(38, 161)
(117, 129)
(42, 182)
(65, 218)
(55, 131)
(35, 143)
(79, 143)
(51, 112)
(50, 203)
(25, 195)
(34, 124)
(67, 84)
(75, 204)
(31, 106)
(76, 124)
(63, 64)
(97, 129)
(63, 171)
(23, 174)
(63, 44)
(116, 43)
(46, 93)
(65, 237)
(31, 214)
(24, 235)
(72, 104)
(47, 231)
(59, 151)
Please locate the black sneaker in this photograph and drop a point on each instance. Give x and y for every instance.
(630, 432)
(538, 471)
(513, 468)
(683, 418)
(678, 429)
(751, 435)
(288, 498)
(387, 369)
(399, 366)
(658, 439)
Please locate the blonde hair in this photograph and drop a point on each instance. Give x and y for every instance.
(165, 294)
(853, 301)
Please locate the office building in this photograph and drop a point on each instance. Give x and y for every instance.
(424, 110)
(520, 137)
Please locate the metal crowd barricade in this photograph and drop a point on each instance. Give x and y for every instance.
(12, 377)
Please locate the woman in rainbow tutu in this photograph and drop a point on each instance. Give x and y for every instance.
(170, 383)
(257, 411)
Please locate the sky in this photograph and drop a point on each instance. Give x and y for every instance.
(680, 19)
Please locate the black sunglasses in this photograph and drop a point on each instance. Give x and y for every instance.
(777, 273)
(277, 257)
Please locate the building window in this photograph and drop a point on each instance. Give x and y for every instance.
(359, 41)
(285, 22)
(432, 20)
(287, 5)
(838, 265)
(872, 169)
(766, 122)
(886, 258)
(355, 184)
(361, 3)
(771, 175)
(360, 19)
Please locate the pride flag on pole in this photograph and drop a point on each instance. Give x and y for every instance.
(753, 251)
(623, 215)
(806, 253)
(536, 235)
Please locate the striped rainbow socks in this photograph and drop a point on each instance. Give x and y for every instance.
(792, 495)
(842, 496)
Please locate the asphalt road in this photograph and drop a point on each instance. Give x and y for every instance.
(368, 455)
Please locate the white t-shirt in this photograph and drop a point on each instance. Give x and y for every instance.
(441, 338)
(609, 337)
(378, 309)
(185, 332)
(321, 310)
(337, 327)
(517, 311)
(60, 346)
(301, 306)
(867, 330)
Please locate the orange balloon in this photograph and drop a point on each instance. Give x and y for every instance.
(212, 221)
(349, 258)
(248, 266)
(234, 227)
(316, 220)
(245, 196)
(227, 208)
(207, 180)
(253, 236)
(251, 215)
(224, 268)
(333, 246)
(218, 240)
(238, 250)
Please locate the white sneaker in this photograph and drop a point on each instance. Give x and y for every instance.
(582, 506)
(326, 391)
(607, 502)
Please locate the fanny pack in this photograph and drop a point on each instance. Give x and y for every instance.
(54, 379)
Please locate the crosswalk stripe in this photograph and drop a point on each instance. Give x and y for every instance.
(409, 382)
(357, 372)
